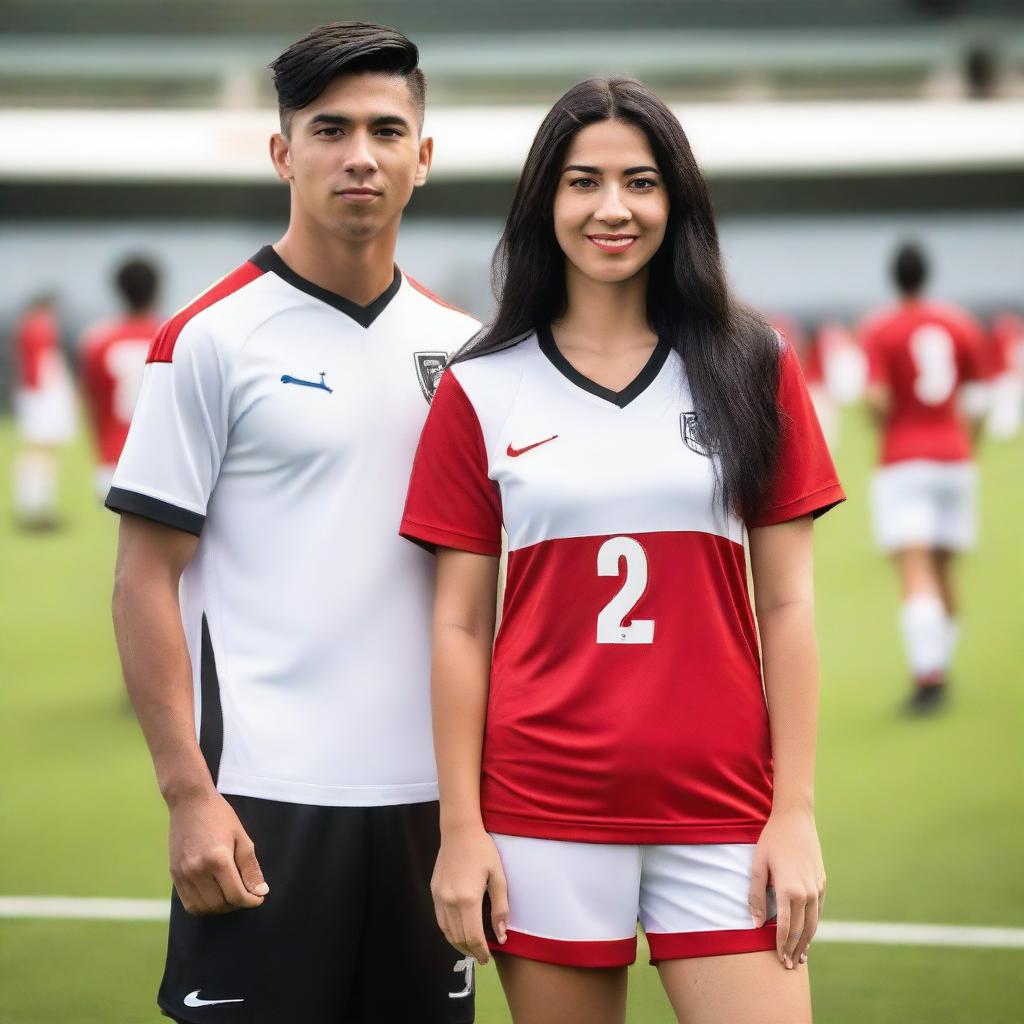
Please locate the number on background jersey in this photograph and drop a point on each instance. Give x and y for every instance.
(931, 348)
(610, 629)
(125, 361)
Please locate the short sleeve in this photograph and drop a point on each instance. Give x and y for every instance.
(451, 501)
(178, 435)
(805, 480)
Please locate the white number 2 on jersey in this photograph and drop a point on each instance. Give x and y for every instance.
(610, 629)
(931, 348)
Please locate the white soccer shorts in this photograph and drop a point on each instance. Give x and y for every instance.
(578, 904)
(924, 503)
(46, 416)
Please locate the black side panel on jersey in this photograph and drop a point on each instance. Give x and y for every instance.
(211, 719)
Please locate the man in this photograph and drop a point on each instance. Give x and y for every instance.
(925, 372)
(286, 703)
(113, 358)
(44, 413)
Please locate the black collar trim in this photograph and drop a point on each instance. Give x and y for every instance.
(268, 259)
(634, 389)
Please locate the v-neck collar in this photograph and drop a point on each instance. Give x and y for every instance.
(268, 259)
(622, 398)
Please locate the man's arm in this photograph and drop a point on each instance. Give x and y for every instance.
(212, 860)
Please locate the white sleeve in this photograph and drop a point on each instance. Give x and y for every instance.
(178, 434)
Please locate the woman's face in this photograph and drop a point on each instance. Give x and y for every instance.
(611, 207)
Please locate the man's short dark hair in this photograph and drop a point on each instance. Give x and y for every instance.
(909, 268)
(309, 65)
(137, 281)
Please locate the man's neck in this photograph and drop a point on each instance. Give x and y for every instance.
(359, 272)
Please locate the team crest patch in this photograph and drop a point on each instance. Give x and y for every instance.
(429, 367)
(693, 435)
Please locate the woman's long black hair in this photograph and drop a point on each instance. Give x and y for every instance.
(731, 356)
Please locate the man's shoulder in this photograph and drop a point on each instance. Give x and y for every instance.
(444, 315)
(205, 316)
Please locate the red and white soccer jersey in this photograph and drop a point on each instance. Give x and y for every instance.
(924, 353)
(113, 360)
(43, 398)
(626, 702)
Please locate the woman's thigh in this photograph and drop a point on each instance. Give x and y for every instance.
(540, 993)
(742, 988)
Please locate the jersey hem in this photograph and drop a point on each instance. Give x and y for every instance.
(817, 503)
(431, 537)
(639, 834)
(121, 500)
(240, 784)
(945, 460)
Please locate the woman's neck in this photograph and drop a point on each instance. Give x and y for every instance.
(604, 316)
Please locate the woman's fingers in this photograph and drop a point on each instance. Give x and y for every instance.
(497, 889)
(811, 913)
(757, 898)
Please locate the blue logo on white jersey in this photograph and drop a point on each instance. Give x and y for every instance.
(321, 384)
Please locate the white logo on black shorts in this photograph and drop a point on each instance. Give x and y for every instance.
(467, 966)
(429, 367)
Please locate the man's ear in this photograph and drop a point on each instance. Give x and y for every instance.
(426, 157)
(281, 156)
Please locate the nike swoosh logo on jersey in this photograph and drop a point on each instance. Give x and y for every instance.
(320, 385)
(516, 452)
(192, 999)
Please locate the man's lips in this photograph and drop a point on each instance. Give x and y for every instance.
(358, 195)
(612, 243)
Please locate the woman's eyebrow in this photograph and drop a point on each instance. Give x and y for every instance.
(597, 170)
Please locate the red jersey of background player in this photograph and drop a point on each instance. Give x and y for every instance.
(923, 352)
(113, 360)
(38, 348)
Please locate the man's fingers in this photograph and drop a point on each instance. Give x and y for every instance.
(473, 929)
(235, 892)
(212, 894)
(249, 869)
(190, 899)
(497, 889)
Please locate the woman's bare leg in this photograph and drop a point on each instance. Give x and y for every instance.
(539, 993)
(744, 988)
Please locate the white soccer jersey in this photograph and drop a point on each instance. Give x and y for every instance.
(277, 421)
(626, 701)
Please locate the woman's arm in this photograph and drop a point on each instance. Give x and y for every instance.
(468, 862)
(788, 854)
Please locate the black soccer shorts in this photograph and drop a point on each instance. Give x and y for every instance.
(347, 934)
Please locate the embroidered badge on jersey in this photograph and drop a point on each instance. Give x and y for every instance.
(693, 435)
(429, 367)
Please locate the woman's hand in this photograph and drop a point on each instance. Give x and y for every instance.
(467, 866)
(788, 858)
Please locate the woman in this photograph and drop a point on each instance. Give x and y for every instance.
(611, 761)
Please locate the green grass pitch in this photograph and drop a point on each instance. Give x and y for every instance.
(921, 821)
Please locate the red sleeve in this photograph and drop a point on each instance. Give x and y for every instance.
(452, 502)
(874, 351)
(975, 362)
(805, 479)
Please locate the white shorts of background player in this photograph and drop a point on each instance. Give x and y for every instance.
(925, 503)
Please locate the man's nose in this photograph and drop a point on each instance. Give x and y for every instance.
(358, 158)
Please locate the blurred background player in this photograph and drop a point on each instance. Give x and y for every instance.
(925, 383)
(113, 358)
(45, 413)
(1006, 353)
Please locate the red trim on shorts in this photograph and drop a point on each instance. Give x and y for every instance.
(683, 945)
(424, 290)
(603, 953)
(162, 348)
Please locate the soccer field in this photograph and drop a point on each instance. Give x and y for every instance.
(921, 820)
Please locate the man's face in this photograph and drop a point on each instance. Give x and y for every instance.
(354, 155)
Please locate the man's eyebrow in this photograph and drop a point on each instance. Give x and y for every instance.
(597, 170)
(341, 121)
